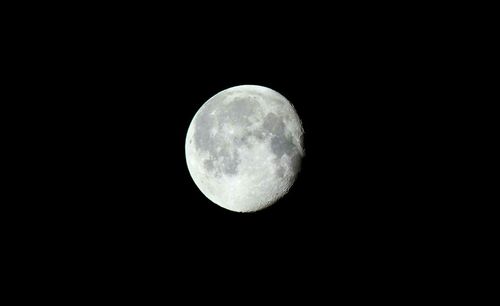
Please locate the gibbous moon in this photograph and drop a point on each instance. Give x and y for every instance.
(244, 148)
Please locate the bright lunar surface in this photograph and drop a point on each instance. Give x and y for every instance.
(244, 147)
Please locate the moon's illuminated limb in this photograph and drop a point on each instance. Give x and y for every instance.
(244, 147)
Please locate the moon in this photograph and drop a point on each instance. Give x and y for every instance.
(244, 148)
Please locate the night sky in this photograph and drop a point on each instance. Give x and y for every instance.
(127, 92)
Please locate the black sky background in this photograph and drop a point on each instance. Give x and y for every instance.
(125, 89)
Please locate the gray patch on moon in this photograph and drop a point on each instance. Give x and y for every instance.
(283, 145)
(210, 119)
(273, 124)
(280, 172)
(208, 164)
(230, 165)
(259, 134)
(296, 162)
(205, 121)
(238, 111)
(242, 140)
(280, 143)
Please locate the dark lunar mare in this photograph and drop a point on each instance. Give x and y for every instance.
(237, 113)
(281, 143)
